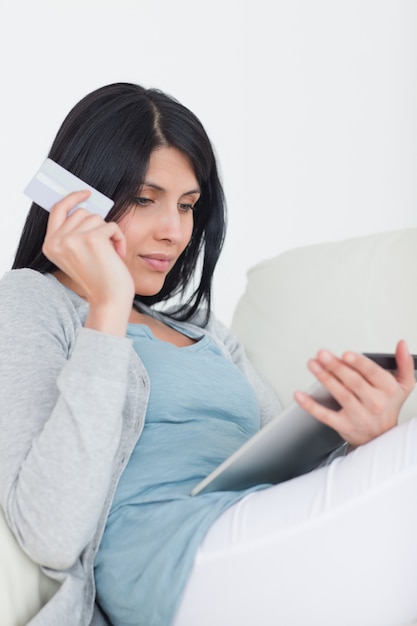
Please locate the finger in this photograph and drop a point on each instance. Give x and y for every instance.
(60, 210)
(344, 385)
(405, 375)
(357, 385)
(63, 234)
(336, 375)
(380, 378)
(91, 230)
(95, 230)
(119, 242)
(330, 417)
(80, 221)
(376, 375)
(84, 234)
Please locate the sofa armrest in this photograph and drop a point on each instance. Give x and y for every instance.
(24, 588)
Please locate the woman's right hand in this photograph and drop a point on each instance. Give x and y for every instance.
(369, 396)
(89, 252)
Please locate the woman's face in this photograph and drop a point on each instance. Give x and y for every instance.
(159, 224)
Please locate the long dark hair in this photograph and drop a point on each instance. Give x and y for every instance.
(106, 140)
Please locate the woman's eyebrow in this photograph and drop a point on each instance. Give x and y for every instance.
(152, 186)
(159, 188)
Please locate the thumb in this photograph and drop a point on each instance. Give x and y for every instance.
(119, 241)
(405, 367)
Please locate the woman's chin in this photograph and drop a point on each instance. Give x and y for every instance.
(148, 291)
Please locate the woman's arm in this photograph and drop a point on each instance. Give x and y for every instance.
(61, 400)
(62, 392)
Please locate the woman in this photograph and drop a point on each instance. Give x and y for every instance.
(111, 411)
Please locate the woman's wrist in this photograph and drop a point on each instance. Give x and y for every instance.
(108, 319)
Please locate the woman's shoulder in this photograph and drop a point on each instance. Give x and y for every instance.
(16, 277)
(21, 285)
(26, 292)
(25, 278)
(25, 285)
(30, 281)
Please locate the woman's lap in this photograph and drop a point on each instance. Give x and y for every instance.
(330, 547)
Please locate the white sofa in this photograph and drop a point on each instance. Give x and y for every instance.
(354, 294)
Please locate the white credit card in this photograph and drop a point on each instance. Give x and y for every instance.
(53, 182)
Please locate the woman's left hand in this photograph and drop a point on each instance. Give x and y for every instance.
(370, 397)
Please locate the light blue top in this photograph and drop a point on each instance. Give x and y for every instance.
(201, 409)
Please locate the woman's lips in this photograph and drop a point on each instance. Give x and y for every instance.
(157, 262)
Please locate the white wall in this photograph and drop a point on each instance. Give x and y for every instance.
(311, 106)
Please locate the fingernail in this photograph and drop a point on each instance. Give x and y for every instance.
(300, 396)
(325, 356)
(349, 358)
(315, 367)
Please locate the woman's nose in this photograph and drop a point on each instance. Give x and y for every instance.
(170, 223)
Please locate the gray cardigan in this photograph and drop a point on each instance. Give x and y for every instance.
(72, 406)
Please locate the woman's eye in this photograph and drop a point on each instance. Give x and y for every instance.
(186, 207)
(142, 201)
